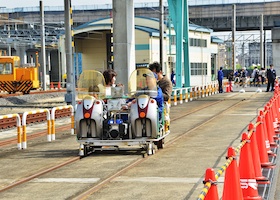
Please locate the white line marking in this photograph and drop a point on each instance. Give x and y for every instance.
(65, 180)
(243, 114)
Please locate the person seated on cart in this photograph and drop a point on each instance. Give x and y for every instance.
(152, 90)
(110, 76)
(166, 86)
(163, 82)
(150, 84)
(93, 90)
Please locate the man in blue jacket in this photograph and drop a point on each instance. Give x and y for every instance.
(220, 79)
(271, 76)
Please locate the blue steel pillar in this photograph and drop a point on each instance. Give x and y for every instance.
(178, 10)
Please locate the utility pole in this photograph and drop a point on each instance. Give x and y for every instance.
(243, 54)
(43, 48)
(264, 49)
(70, 85)
(161, 29)
(9, 41)
(233, 36)
(261, 41)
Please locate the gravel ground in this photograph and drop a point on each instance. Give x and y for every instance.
(20, 104)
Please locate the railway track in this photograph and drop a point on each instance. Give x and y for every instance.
(95, 188)
(136, 161)
(6, 95)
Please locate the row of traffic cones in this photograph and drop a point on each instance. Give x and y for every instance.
(229, 87)
(242, 179)
(52, 86)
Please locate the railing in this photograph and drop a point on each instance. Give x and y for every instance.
(50, 124)
(186, 94)
(53, 119)
(24, 117)
(18, 126)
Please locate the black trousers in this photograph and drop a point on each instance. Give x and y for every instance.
(220, 86)
(270, 83)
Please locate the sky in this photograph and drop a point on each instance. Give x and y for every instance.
(32, 3)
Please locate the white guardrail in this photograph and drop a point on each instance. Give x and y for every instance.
(186, 94)
(21, 124)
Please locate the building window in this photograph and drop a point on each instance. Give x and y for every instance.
(173, 40)
(198, 42)
(198, 68)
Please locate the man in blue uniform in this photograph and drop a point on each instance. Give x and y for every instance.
(220, 79)
(271, 76)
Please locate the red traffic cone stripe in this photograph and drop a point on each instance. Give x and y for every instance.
(248, 182)
(256, 157)
(232, 188)
(262, 144)
(213, 191)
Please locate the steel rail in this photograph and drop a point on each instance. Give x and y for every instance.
(95, 188)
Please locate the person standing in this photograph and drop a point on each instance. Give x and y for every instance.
(220, 79)
(172, 78)
(262, 75)
(271, 76)
(243, 77)
(255, 76)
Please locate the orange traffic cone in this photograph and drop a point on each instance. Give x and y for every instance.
(265, 132)
(230, 86)
(248, 182)
(256, 157)
(274, 109)
(52, 87)
(59, 86)
(278, 103)
(213, 191)
(269, 126)
(232, 189)
(274, 118)
(227, 87)
(262, 145)
(277, 106)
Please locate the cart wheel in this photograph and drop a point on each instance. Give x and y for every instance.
(151, 149)
(160, 144)
(91, 149)
(86, 149)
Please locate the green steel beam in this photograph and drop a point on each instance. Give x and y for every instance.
(187, 70)
(178, 10)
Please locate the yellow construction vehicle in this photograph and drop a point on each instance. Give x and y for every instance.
(16, 78)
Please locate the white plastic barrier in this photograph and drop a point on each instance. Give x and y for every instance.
(53, 119)
(18, 127)
(24, 117)
(190, 93)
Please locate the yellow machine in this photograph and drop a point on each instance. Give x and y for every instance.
(16, 78)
